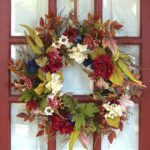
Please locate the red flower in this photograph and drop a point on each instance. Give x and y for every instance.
(31, 105)
(61, 125)
(55, 62)
(103, 66)
(88, 40)
(71, 34)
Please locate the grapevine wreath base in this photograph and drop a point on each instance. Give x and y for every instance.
(59, 42)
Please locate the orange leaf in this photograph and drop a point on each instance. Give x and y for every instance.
(41, 126)
(112, 136)
(40, 133)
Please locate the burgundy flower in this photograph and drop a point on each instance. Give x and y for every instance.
(71, 34)
(31, 105)
(103, 66)
(61, 125)
(88, 40)
(55, 62)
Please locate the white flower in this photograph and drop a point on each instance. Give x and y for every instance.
(114, 110)
(55, 85)
(78, 56)
(82, 48)
(56, 44)
(48, 111)
(63, 40)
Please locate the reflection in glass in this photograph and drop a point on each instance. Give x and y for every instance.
(26, 12)
(23, 134)
(127, 12)
(84, 8)
(64, 6)
(62, 145)
(128, 139)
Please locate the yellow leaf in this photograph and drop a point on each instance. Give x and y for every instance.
(48, 49)
(35, 49)
(127, 71)
(117, 76)
(113, 122)
(40, 89)
(48, 76)
(98, 51)
(41, 61)
(73, 138)
(34, 36)
(116, 55)
(40, 74)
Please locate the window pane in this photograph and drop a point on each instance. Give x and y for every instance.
(76, 81)
(126, 12)
(26, 12)
(127, 139)
(64, 6)
(84, 8)
(62, 145)
(23, 134)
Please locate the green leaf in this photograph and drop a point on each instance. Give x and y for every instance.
(43, 104)
(79, 120)
(113, 122)
(91, 109)
(69, 102)
(117, 76)
(98, 51)
(73, 137)
(34, 36)
(127, 71)
(35, 49)
(26, 96)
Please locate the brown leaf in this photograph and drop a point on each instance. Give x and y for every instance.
(116, 25)
(121, 126)
(40, 133)
(21, 115)
(32, 118)
(112, 136)
(107, 23)
(41, 126)
(26, 118)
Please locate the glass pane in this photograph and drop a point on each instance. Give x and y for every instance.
(26, 12)
(126, 12)
(62, 145)
(84, 8)
(15, 56)
(128, 139)
(64, 6)
(76, 81)
(23, 134)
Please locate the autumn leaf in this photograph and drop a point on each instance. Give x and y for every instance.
(40, 133)
(21, 115)
(113, 122)
(112, 136)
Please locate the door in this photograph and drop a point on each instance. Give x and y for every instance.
(14, 135)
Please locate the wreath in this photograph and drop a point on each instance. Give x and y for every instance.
(59, 42)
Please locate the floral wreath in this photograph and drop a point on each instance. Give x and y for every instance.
(57, 43)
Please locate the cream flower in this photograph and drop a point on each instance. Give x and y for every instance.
(114, 110)
(55, 85)
(48, 111)
(82, 48)
(78, 56)
(63, 40)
